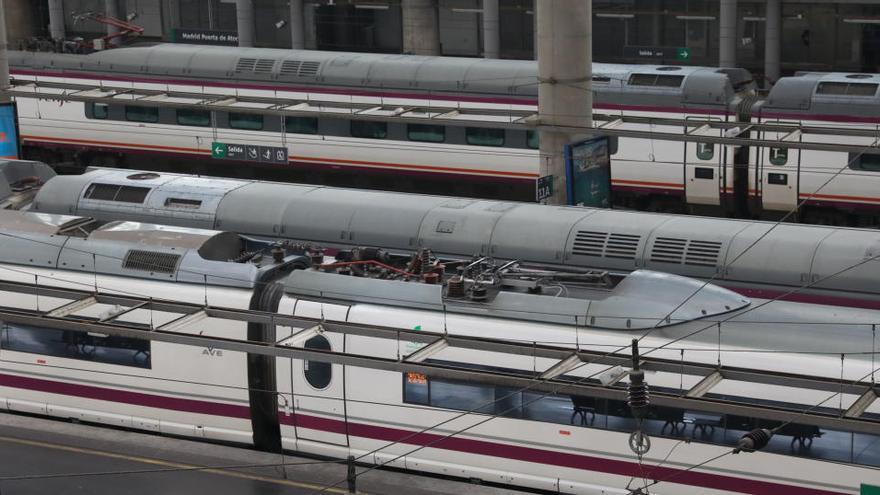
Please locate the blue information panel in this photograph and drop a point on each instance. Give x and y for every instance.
(9, 145)
(588, 172)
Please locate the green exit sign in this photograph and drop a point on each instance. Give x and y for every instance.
(869, 490)
(683, 53)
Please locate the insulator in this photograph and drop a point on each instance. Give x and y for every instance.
(637, 391)
(455, 287)
(415, 264)
(425, 259)
(638, 397)
(278, 254)
(754, 440)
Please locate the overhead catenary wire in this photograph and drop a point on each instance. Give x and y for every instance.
(645, 335)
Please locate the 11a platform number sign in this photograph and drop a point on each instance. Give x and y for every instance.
(544, 188)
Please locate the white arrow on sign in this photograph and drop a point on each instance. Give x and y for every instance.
(218, 149)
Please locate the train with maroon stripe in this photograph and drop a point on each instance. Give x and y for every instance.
(515, 437)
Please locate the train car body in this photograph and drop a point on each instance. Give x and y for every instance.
(442, 158)
(826, 265)
(337, 410)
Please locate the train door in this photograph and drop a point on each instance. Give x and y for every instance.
(780, 170)
(318, 387)
(704, 171)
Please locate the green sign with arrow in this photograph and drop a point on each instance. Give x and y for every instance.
(218, 150)
(683, 53)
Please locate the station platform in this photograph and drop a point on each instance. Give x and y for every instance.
(39, 456)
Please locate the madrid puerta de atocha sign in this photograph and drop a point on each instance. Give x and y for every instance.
(205, 37)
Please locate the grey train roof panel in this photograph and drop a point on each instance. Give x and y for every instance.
(701, 86)
(131, 249)
(789, 255)
(832, 93)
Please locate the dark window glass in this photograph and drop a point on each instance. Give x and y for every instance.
(415, 388)
(198, 118)
(100, 110)
(112, 192)
(533, 139)
(301, 125)
(318, 373)
(90, 346)
(778, 156)
(846, 89)
(866, 161)
(661, 80)
(102, 191)
(705, 151)
(247, 121)
(183, 203)
(426, 132)
(131, 194)
(368, 129)
(141, 114)
(479, 136)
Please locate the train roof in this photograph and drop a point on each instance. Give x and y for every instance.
(691, 85)
(573, 236)
(826, 93)
(126, 248)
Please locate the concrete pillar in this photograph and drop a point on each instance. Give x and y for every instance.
(244, 17)
(310, 28)
(773, 41)
(4, 54)
(491, 31)
(421, 32)
(297, 25)
(20, 17)
(727, 34)
(565, 97)
(56, 20)
(111, 9)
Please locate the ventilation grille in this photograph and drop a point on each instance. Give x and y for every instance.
(264, 66)
(290, 67)
(683, 251)
(604, 244)
(151, 261)
(245, 65)
(299, 68)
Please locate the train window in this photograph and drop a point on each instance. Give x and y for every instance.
(318, 373)
(368, 129)
(778, 156)
(868, 162)
(846, 89)
(415, 388)
(246, 121)
(183, 203)
(141, 114)
(301, 125)
(131, 194)
(113, 192)
(657, 80)
(101, 348)
(100, 111)
(533, 139)
(480, 136)
(705, 151)
(104, 192)
(426, 132)
(197, 118)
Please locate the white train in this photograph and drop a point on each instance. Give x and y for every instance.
(327, 146)
(338, 410)
(806, 263)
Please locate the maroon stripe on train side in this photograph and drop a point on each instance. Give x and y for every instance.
(560, 459)
(850, 302)
(458, 444)
(125, 396)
